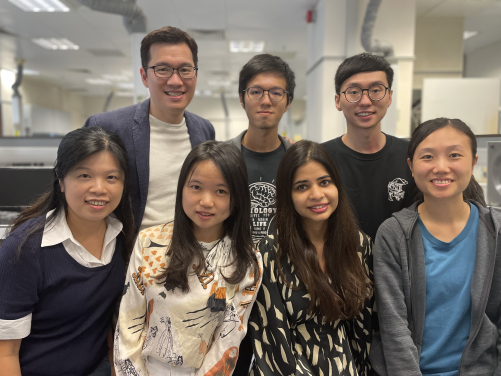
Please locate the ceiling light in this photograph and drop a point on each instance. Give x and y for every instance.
(246, 46)
(30, 72)
(124, 93)
(126, 85)
(40, 5)
(116, 77)
(469, 34)
(97, 81)
(217, 82)
(56, 43)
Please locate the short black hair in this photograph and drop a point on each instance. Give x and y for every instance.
(168, 35)
(364, 62)
(266, 63)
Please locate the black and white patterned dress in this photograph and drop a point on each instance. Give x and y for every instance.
(289, 341)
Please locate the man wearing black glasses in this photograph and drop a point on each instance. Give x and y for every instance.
(158, 132)
(372, 164)
(266, 88)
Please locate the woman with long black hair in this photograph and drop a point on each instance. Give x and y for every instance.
(314, 311)
(62, 264)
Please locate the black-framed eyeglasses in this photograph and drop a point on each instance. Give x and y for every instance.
(375, 92)
(164, 71)
(275, 94)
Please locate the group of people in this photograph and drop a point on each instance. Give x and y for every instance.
(254, 256)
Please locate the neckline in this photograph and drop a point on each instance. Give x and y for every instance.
(362, 156)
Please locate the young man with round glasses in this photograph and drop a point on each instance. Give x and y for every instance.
(158, 132)
(372, 164)
(266, 88)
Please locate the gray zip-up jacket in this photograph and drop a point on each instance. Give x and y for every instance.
(399, 271)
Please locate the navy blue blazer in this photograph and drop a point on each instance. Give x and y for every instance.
(132, 125)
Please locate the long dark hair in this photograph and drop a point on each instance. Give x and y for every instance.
(344, 295)
(184, 250)
(74, 148)
(473, 191)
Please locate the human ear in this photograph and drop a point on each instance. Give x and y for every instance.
(390, 97)
(61, 185)
(409, 162)
(337, 100)
(144, 76)
(241, 100)
(475, 160)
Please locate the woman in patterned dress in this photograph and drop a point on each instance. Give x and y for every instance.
(192, 281)
(313, 314)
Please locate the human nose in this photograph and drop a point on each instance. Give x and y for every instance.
(266, 97)
(365, 97)
(206, 200)
(316, 193)
(98, 186)
(175, 79)
(441, 166)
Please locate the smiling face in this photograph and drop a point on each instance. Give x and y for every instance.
(206, 201)
(93, 188)
(314, 194)
(365, 113)
(443, 164)
(169, 96)
(265, 114)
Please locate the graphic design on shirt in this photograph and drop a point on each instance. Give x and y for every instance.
(231, 321)
(165, 346)
(124, 367)
(395, 190)
(152, 334)
(226, 364)
(263, 210)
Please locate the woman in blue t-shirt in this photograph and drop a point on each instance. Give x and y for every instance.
(62, 264)
(437, 265)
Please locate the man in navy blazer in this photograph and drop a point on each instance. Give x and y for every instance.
(158, 133)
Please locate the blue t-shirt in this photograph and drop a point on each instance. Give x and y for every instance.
(449, 270)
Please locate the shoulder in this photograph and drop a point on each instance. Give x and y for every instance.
(113, 120)
(237, 141)
(160, 235)
(398, 145)
(197, 121)
(332, 145)
(32, 245)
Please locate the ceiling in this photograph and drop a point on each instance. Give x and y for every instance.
(105, 44)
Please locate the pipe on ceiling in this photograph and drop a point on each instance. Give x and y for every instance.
(369, 44)
(133, 17)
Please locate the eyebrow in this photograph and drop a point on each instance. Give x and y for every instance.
(87, 169)
(306, 181)
(199, 182)
(161, 64)
(428, 150)
(260, 87)
(372, 83)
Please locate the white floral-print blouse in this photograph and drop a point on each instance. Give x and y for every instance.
(176, 328)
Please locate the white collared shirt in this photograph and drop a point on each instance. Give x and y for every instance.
(59, 232)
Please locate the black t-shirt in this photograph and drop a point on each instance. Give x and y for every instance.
(377, 184)
(262, 171)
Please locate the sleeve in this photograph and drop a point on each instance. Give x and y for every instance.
(20, 283)
(400, 353)
(223, 353)
(274, 353)
(362, 328)
(129, 334)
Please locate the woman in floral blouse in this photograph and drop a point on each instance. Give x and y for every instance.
(313, 314)
(191, 284)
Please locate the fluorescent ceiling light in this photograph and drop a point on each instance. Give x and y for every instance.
(469, 34)
(40, 5)
(116, 77)
(56, 43)
(124, 93)
(97, 81)
(125, 85)
(30, 72)
(217, 82)
(246, 46)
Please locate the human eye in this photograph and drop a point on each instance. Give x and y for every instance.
(221, 191)
(301, 187)
(255, 90)
(455, 155)
(353, 90)
(163, 69)
(277, 92)
(185, 70)
(84, 176)
(426, 156)
(113, 177)
(195, 187)
(325, 182)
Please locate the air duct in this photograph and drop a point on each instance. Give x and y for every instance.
(133, 17)
(370, 45)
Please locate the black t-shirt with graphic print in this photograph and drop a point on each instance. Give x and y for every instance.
(377, 184)
(262, 171)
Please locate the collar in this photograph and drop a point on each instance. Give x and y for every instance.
(58, 231)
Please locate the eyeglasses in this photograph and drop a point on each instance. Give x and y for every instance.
(164, 71)
(256, 93)
(375, 92)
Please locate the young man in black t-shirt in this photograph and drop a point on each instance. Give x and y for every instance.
(266, 88)
(372, 164)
